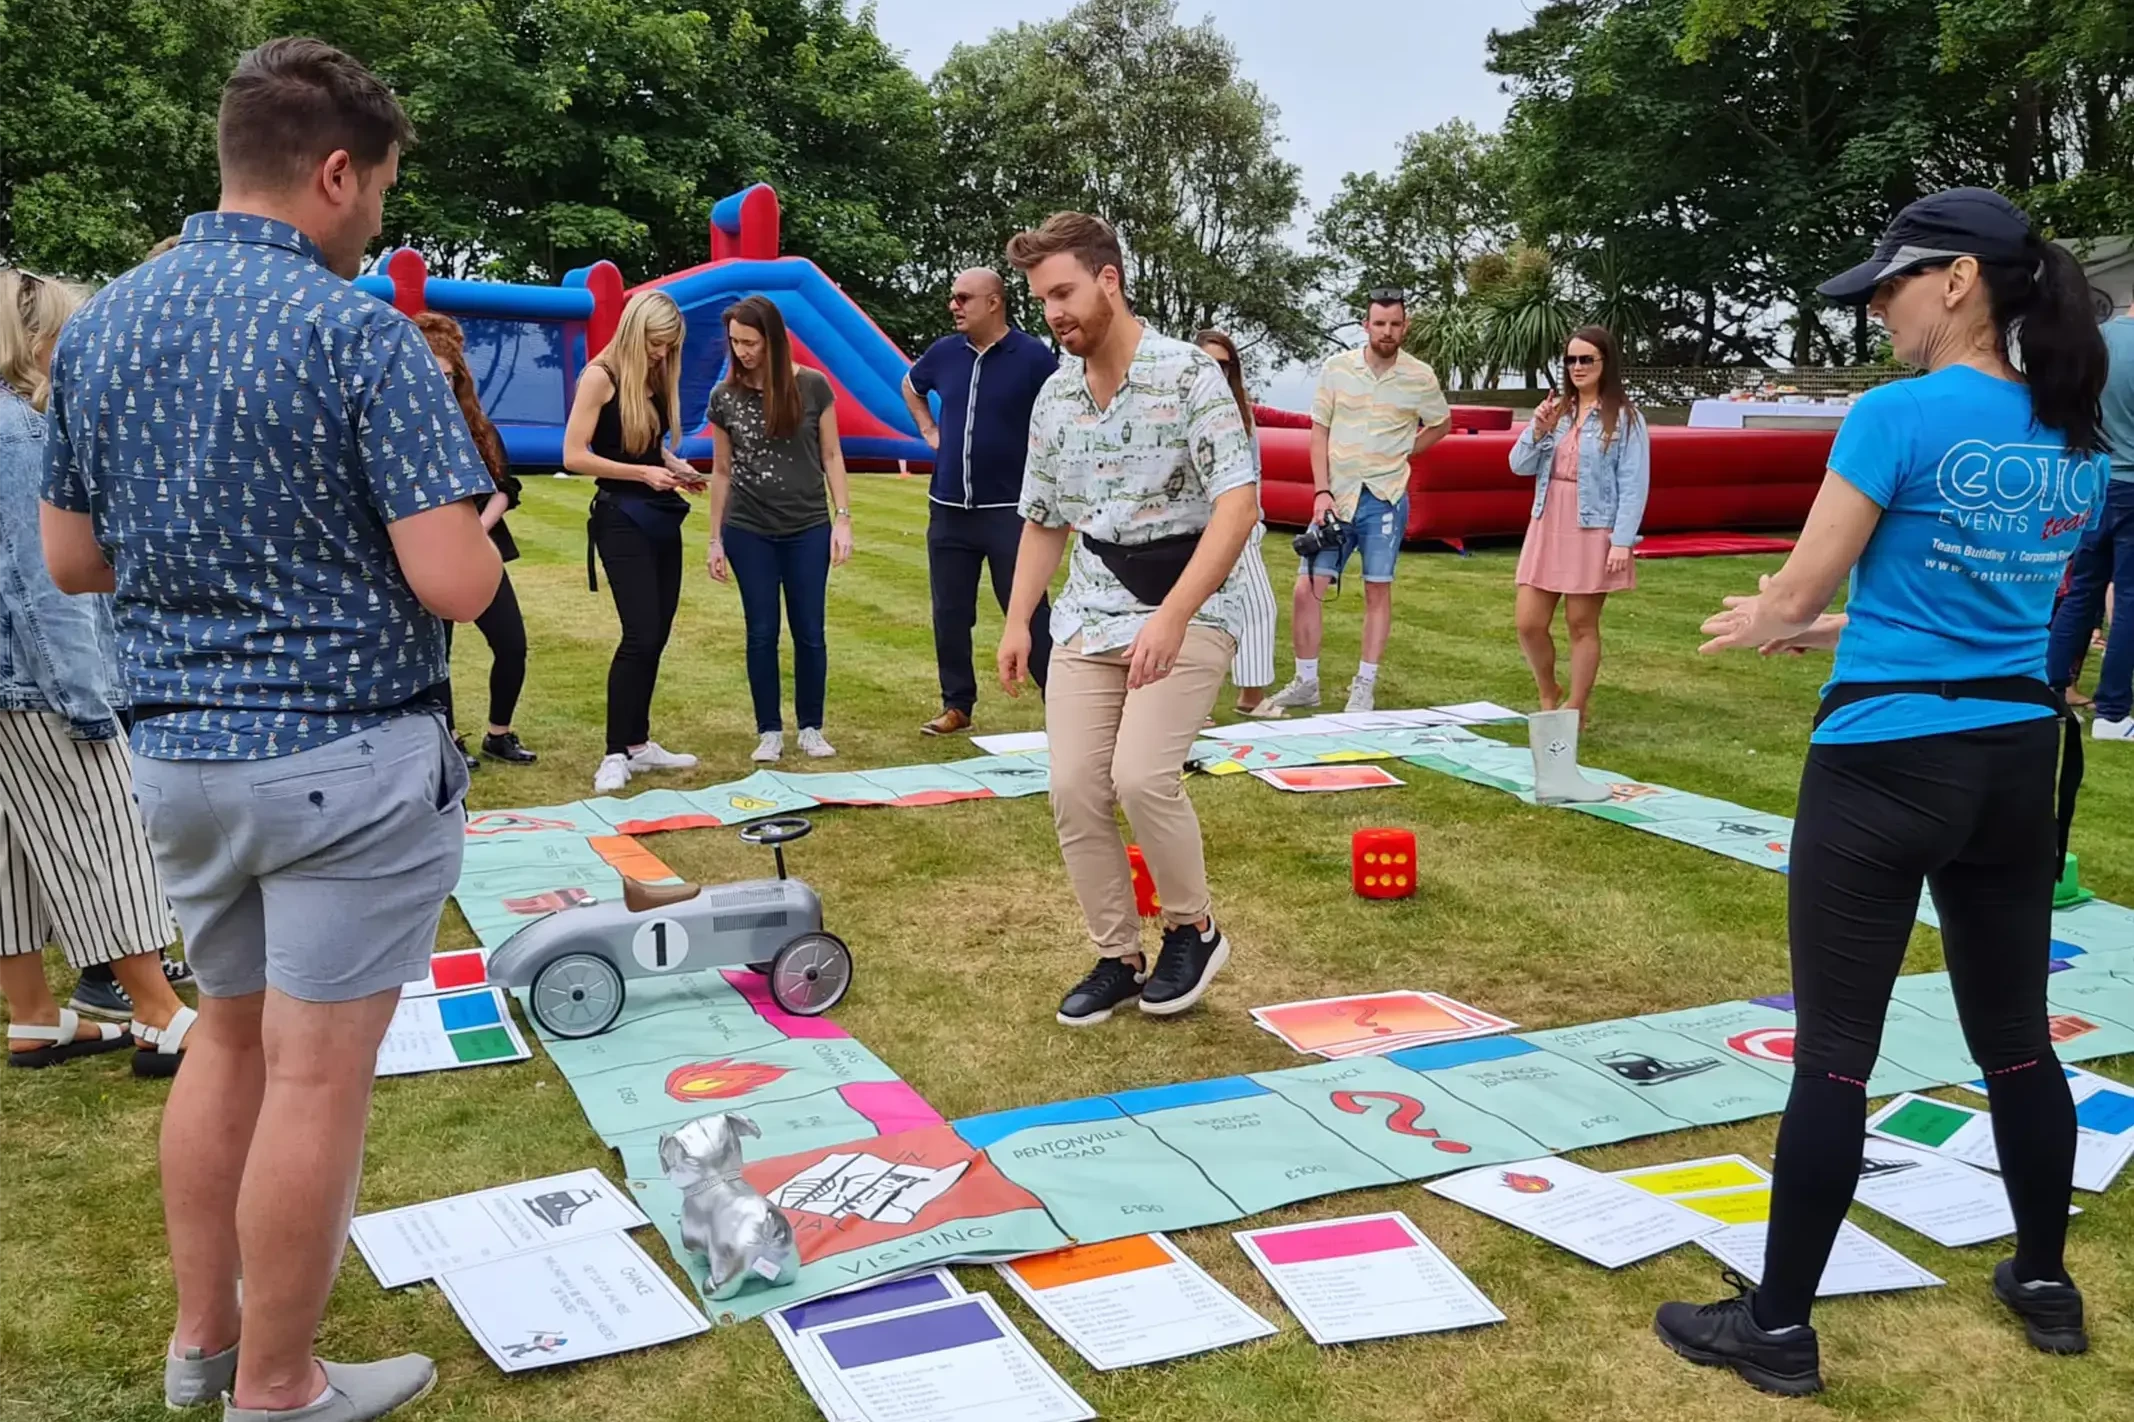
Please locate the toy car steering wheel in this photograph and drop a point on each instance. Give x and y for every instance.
(772, 833)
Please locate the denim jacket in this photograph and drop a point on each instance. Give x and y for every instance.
(57, 653)
(1612, 482)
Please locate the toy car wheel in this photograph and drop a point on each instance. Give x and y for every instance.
(810, 974)
(577, 995)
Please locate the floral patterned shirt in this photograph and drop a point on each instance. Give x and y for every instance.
(1150, 466)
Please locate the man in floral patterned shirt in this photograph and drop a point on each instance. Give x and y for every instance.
(1136, 445)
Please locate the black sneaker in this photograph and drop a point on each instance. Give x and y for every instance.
(101, 997)
(1188, 963)
(466, 755)
(1110, 983)
(176, 972)
(507, 749)
(2051, 1313)
(1725, 1335)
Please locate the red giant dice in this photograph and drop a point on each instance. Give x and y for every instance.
(1382, 863)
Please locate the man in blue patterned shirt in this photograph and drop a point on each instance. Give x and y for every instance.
(268, 470)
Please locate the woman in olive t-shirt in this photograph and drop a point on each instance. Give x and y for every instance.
(774, 432)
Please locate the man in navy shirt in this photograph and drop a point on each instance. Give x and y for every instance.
(987, 376)
(266, 468)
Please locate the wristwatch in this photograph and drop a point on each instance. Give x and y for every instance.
(844, 513)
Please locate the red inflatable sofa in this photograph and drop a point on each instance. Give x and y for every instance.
(1463, 487)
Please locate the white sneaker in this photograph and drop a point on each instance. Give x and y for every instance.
(1299, 694)
(654, 756)
(812, 742)
(614, 773)
(769, 746)
(2119, 730)
(1360, 694)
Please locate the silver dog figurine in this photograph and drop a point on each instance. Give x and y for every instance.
(724, 1218)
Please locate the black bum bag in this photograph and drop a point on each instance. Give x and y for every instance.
(1147, 570)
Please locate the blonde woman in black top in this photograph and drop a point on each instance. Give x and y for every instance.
(774, 430)
(622, 435)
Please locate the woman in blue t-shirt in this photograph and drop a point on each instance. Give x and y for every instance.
(1952, 501)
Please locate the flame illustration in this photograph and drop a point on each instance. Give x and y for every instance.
(719, 1080)
(1528, 1184)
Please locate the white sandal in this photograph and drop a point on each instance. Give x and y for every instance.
(63, 1038)
(162, 1049)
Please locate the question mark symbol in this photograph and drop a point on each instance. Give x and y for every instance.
(1368, 1018)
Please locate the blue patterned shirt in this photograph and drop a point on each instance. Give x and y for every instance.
(242, 425)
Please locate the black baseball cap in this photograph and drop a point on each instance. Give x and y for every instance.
(1962, 222)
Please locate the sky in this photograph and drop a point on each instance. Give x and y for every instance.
(1349, 89)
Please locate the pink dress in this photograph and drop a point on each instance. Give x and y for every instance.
(1559, 556)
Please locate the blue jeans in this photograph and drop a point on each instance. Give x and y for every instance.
(2104, 557)
(799, 566)
(1377, 530)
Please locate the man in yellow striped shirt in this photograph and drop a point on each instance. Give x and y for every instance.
(1376, 408)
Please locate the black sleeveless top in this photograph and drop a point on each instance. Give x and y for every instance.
(607, 442)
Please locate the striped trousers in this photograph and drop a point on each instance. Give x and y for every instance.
(74, 862)
(1253, 666)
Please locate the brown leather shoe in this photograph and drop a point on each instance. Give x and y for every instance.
(948, 723)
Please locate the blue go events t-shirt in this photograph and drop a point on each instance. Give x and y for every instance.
(1981, 508)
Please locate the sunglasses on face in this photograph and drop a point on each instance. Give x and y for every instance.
(962, 298)
(1577, 360)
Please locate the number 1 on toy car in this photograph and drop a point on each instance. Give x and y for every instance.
(660, 946)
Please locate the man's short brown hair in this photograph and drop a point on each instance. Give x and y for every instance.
(1090, 239)
(293, 102)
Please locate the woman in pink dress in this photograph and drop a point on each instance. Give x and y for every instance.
(1591, 462)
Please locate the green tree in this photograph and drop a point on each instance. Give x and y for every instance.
(1447, 201)
(107, 130)
(1119, 110)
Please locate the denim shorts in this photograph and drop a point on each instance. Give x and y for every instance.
(1377, 529)
(321, 874)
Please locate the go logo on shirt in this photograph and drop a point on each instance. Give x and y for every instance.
(2009, 488)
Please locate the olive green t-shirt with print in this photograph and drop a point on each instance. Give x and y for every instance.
(777, 485)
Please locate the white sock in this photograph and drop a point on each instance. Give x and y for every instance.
(1366, 671)
(1307, 669)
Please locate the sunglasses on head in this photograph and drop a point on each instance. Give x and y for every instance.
(1389, 296)
(27, 285)
(1581, 360)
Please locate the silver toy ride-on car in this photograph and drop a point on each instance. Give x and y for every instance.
(575, 962)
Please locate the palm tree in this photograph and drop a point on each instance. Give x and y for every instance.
(1528, 317)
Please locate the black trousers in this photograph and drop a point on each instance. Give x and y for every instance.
(503, 627)
(1970, 815)
(645, 578)
(960, 543)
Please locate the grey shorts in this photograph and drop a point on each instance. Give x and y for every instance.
(322, 874)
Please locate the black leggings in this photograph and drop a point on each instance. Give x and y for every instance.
(503, 627)
(1971, 815)
(645, 579)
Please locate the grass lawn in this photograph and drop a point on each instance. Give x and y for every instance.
(966, 934)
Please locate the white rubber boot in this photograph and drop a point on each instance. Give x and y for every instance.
(1557, 778)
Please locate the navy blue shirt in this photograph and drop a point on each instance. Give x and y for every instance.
(242, 425)
(985, 414)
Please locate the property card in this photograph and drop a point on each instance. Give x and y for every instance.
(960, 1358)
(441, 1031)
(1132, 1301)
(1327, 779)
(586, 1299)
(823, 1385)
(1577, 1209)
(1276, 729)
(1371, 1276)
(462, 968)
(1422, 719)
(1949, 1202)
(2104, 1126)
(1478, 713)
(417, 1242)
(1375, 1022)
(1734, 1193)
(1011, 742)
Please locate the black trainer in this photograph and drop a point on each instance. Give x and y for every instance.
(101, 997)
(1188, 963)
(176, 972)
(2051, 1313)
(467, 755)
(1111, 983)
(507, 749)
(1725, 1335)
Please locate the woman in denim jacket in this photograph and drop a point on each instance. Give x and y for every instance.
(74, 861)
(1591, 461)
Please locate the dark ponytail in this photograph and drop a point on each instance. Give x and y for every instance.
(2043, 312)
